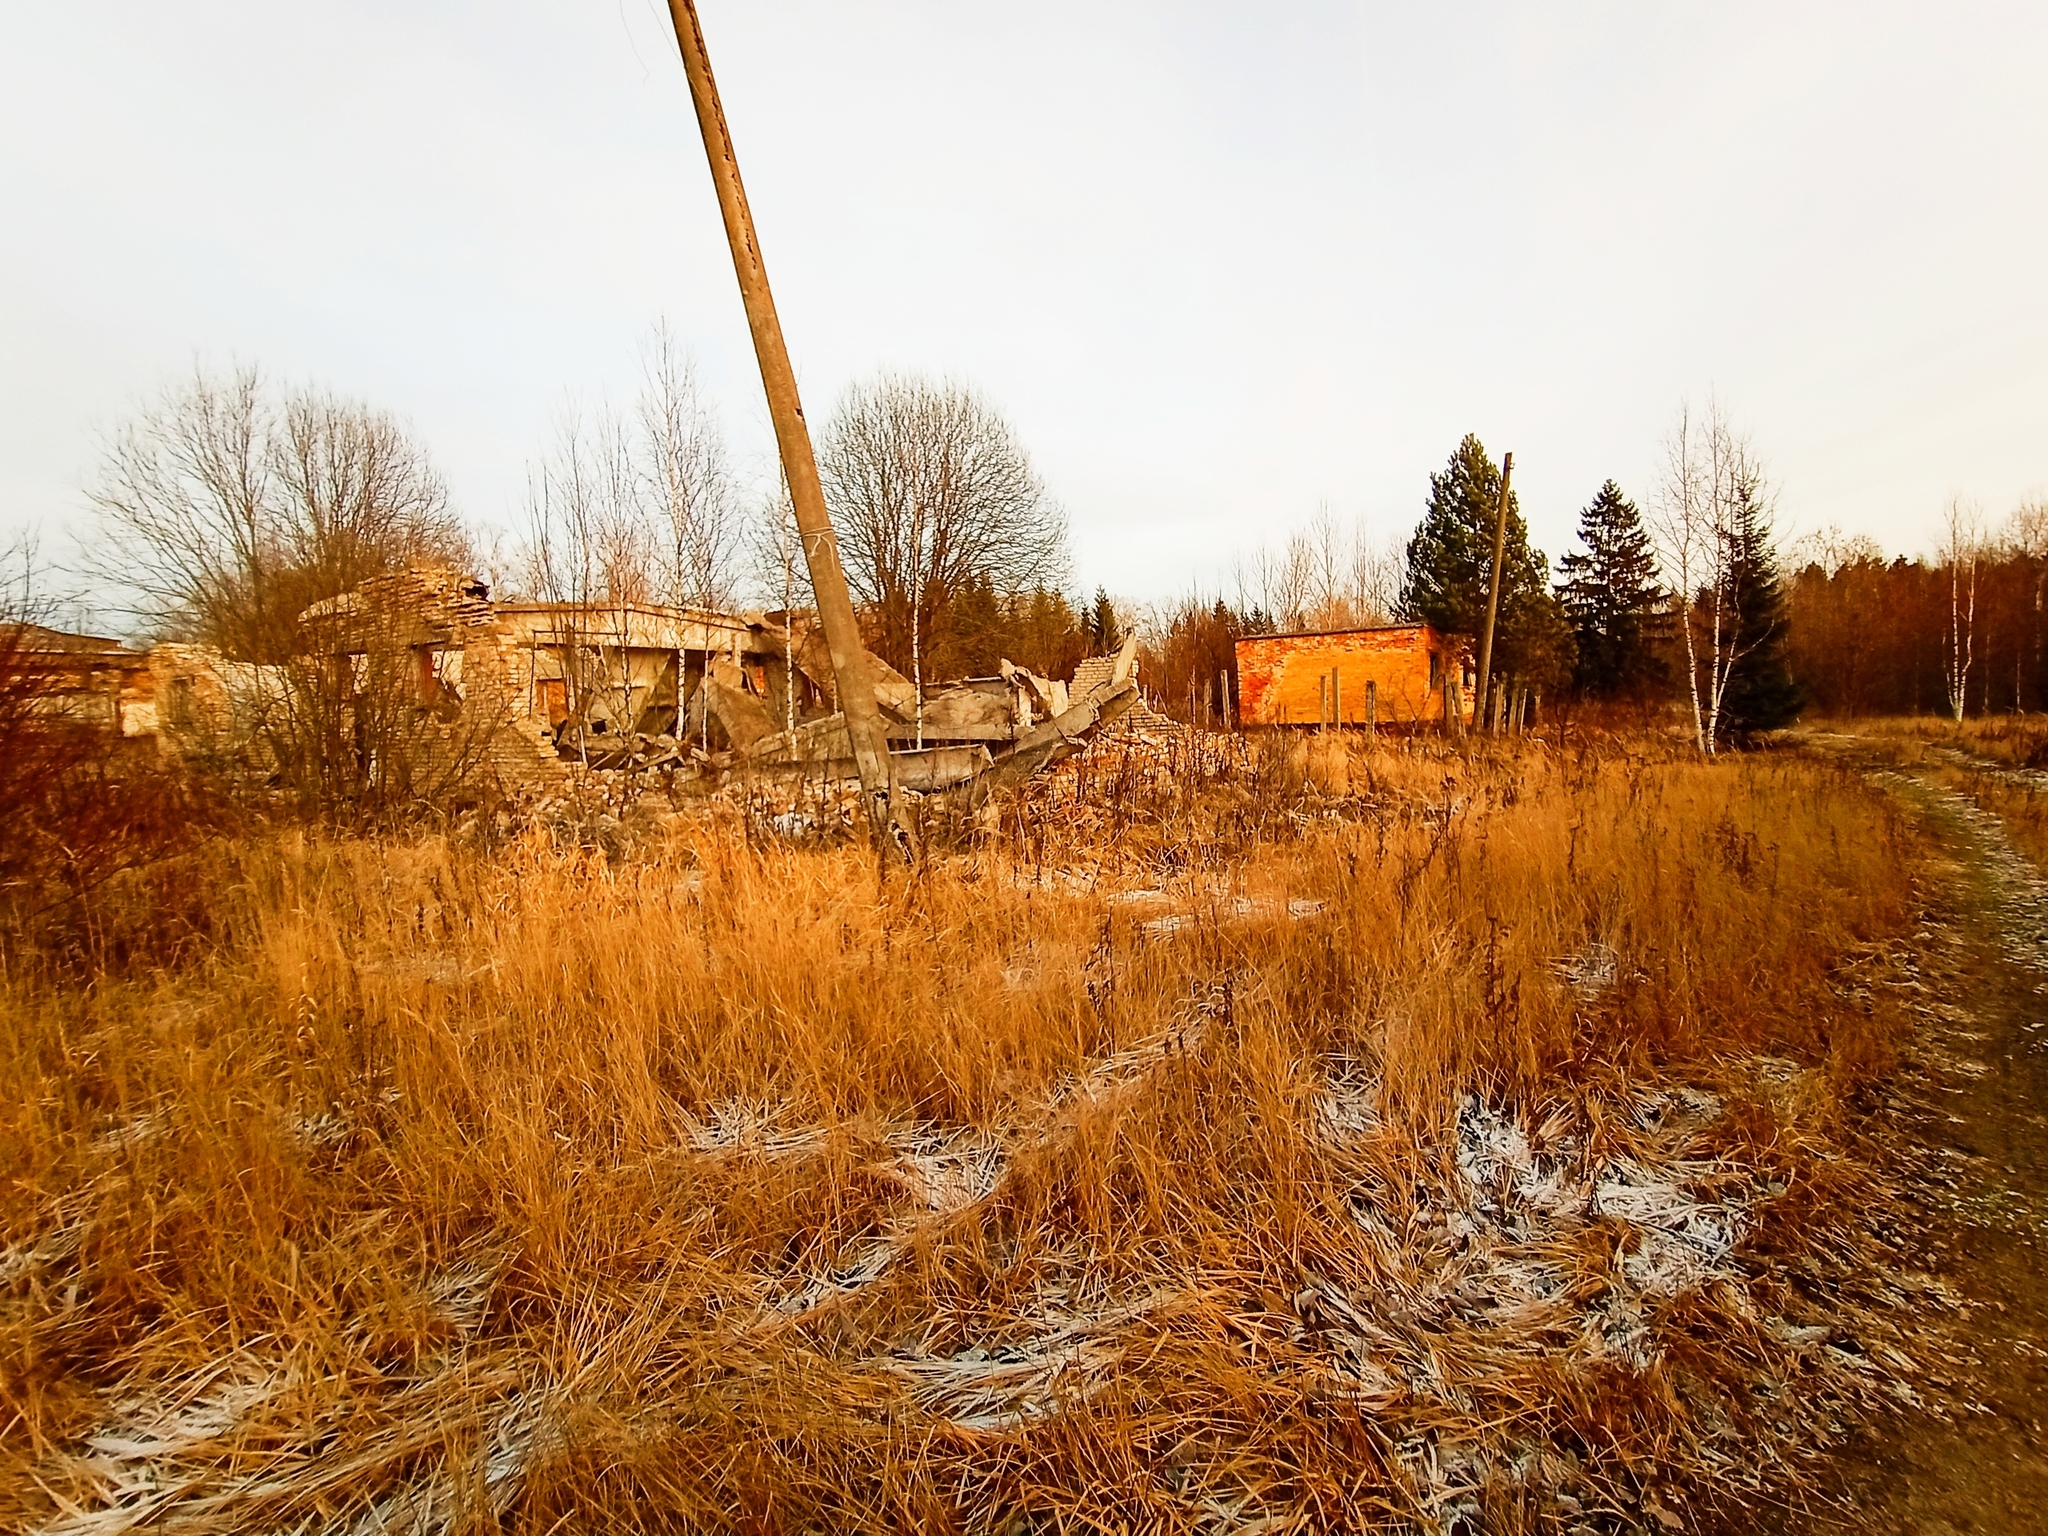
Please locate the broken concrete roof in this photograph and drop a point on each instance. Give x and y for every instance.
(41, 638)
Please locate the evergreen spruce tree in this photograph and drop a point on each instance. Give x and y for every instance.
(974, 629)
(1762, 694)
(1450, 560)
(1611, 597)
(1103, 629)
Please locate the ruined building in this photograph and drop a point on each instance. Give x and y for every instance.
(1388, 675)
(84, 680)
(527, 690)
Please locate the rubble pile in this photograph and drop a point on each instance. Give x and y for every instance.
(527, 698)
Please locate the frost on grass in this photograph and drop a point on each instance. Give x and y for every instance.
(946, 1174)
(1056, 1358)
(1524, 1197)
(1522, 1252)
(1517, 1260)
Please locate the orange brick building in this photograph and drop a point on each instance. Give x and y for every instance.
(1311, 679)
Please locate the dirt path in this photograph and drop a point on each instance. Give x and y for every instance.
(1978, 1106)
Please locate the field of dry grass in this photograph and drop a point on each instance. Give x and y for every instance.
(1189, 1149)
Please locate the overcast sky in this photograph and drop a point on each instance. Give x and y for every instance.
(1219, 263)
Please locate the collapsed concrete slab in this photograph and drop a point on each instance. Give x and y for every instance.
(533, 691)
(977, 736)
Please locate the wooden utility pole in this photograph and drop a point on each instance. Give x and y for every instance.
(1500, 549)
(855, 682)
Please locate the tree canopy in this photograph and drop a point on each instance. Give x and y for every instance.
(1762, 694)
(235, 507)
(932, 491)
(1614, 602)
(1450, 561)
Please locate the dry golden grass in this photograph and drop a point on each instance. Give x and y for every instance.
(2000, 762)
(1198, 1151)
(2016, 741)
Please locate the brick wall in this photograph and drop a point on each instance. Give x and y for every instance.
(1280, 678)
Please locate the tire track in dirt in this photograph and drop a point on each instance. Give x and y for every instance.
(1975, 1102)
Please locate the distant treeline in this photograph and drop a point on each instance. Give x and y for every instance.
(1605, 629)
(1838, 628)
(236, 507)
(1871, 636)
(973, 628)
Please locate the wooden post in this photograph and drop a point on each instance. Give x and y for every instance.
(887, 814)
(1500, 546)
(1336, 699)
(1372, 705)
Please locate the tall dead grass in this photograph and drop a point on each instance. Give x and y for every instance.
(2000, 762)
(2017, 741)
(1206, 1152)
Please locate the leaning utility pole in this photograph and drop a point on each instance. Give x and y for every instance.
(1500, 549)
(850, 671)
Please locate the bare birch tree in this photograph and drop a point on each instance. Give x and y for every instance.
(1277, 583)
(2027, 536)
(636, 507)
(1714, 492)
(1379, 572)
(683, 463)
(1962, 543)
(1326, 559)
(591, 548)
(778, 577)
(627, 510)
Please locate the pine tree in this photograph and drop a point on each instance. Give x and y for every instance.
(1450, 561)
(1762, 694)
(1611, 596)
